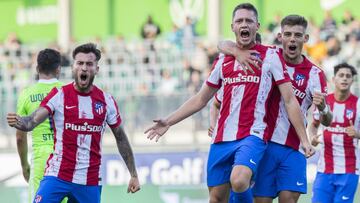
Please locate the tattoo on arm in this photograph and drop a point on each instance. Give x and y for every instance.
(28, 123)
(125, 150)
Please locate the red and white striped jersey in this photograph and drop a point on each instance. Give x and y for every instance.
(245, 97)
(339, 152)
(306, 79)
(79, 121)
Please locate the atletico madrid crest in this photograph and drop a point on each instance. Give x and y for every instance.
(99, 108)
(299, 79)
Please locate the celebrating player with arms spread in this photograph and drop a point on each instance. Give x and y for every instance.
(282, 172)
(238, 140)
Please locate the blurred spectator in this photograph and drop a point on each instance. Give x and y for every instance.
(175, 36)
(328, 26)
(347, 18)
(333, 46)
(12, 42)
(150, 30)
(168, 83)
(189, 33)
(275, 24)
(317, 48)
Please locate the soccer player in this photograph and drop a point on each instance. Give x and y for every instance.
(214, 109)
(282, 171)
(238, 145)
(338, 165)
(79, 112)
(48, 68)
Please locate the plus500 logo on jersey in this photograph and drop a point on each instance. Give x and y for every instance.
(83, 128)
(299, 93)
(242, 78)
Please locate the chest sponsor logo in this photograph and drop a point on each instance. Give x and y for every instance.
(242, 79)
(83, 128)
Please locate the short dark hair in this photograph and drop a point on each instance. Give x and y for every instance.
(292, 20)
(345, 65)
(48, 60)
(87, 48)
(258, 38)
(246, 6)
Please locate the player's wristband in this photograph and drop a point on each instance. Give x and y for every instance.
(325, 110)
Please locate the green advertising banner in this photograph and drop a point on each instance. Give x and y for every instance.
(32, 20)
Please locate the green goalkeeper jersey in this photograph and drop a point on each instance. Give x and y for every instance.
(28, 101)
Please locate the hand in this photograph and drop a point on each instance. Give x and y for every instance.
(351, 131)
(308, 149)
(210, 131)
(26, 171)
(157, 130)
(248, 58)
(315, 140)
(134, 185)
(12, 119)
(319, 100)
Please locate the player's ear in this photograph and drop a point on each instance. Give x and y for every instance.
(278, 36)
(306, 38)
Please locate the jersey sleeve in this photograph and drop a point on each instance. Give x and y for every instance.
(220, 94)
(113, 117)
(21, 108)
(277, 67)
(214, 80)
(318, 82)
(357, 119)
(51, 101)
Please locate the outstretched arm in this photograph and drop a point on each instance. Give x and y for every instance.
(295, 116)
(27, 123)
(191, 106)
(126, 153)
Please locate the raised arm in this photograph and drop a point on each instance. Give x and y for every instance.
(191, 106)
(325, 113)
(295, 116)
(27, 123)
(126, 153)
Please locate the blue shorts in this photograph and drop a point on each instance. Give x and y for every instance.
(281, 169)
(334, 187)
(223, 156)
(53, 190)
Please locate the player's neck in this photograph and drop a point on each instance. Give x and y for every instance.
(83, 90)
(341, 95)
(43, 76)
(245, 47)
(293, 61)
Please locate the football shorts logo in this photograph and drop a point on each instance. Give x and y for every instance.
(99, 108)
(38, 198)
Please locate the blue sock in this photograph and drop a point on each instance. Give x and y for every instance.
(243, 197)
